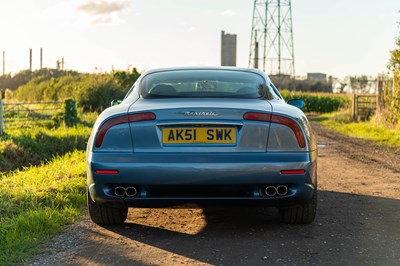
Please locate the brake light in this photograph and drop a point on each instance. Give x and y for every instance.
(293, 126)
(139, 117)
(282, 120)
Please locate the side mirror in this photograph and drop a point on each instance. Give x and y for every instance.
(299, 103)
(115, 102)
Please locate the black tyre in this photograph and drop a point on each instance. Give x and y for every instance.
(103, 215)
(304, 214)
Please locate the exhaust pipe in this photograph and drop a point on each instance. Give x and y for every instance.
(270, 191)
(130, 192)
(119, 191)
(281, 190)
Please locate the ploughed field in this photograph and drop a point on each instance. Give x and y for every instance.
(357, 223)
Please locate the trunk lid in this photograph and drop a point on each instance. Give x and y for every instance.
(200, 125)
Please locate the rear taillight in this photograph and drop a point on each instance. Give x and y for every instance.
(139, 117)
(278, 119)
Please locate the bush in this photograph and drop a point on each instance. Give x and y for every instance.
(70, 113)
(95, 92)
(92, 92)
(319, 103)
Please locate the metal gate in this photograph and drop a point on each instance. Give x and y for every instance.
(364, 106)
(29, 114)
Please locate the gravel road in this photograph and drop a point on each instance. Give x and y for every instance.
(357, 223)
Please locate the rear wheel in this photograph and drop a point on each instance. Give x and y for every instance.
(102, 215)
(304, 214)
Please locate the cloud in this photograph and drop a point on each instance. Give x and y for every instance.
(229, 13)
(103, 7)
(102, 12)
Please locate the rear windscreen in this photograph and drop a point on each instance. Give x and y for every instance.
(203, 83)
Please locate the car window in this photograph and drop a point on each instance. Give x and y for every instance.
(275, 90)
(129, 92)
(203, 83)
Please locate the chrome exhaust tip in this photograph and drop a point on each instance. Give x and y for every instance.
(281, 190)
(270, 191)
(131, 192)
(119, 191)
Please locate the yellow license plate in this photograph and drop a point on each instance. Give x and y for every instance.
(199, 135)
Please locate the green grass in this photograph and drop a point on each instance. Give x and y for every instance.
(24, 147)
(365, 130)
(37, 202)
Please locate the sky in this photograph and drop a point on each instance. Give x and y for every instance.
(339, 38)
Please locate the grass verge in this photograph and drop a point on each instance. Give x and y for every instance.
(37, 202)
(33, 146)
(364, 130)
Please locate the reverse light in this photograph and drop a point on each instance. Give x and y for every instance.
(139, 117)
(293, 172)
(282, 120)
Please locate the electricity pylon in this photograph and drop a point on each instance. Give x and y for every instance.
(271, 46)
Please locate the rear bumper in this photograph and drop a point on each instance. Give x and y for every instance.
(168, 179)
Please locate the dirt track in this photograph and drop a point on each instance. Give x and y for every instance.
(357, 223)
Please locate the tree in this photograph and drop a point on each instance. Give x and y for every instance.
(359, 84)
(394, 62)
(126, 78)
(391, 89)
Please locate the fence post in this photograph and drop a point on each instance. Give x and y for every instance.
(1, 117)
(380, 96)
(354, 109)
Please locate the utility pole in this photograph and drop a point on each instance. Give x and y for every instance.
(30, 59)
(4, 63)
(272, 30)
(62, 64)
(41, 58)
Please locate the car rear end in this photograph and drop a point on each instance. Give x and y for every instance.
(201, 146)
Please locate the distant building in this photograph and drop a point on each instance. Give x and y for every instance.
(317, 76)
(228, 49)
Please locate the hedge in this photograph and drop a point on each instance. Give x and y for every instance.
(321, 102)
